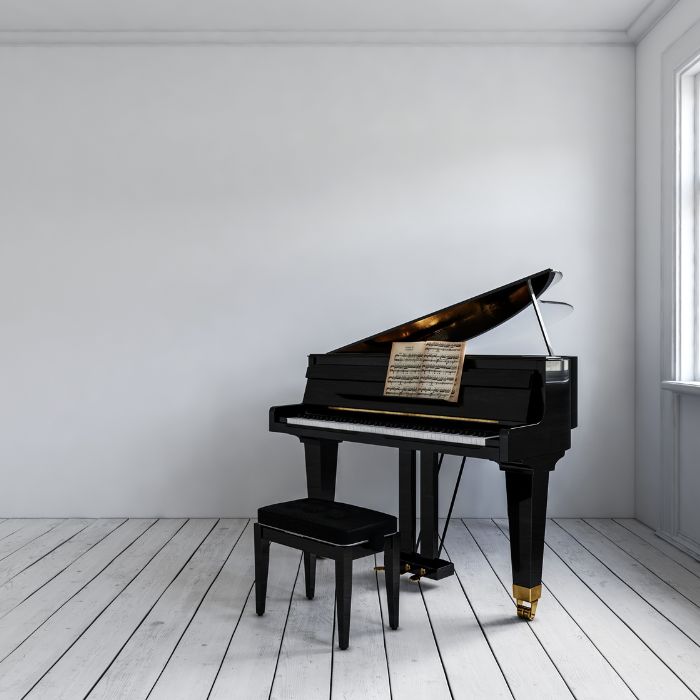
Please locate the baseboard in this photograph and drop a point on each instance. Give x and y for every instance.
(685, 544)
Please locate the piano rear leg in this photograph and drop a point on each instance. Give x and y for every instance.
(407, 500)
(526, 489)
(407, 507)
(321, 466)
(429, 481)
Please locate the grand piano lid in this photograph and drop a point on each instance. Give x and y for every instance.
(464, 320)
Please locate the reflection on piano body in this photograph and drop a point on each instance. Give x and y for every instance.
(517, 411)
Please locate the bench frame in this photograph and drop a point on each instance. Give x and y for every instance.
(343, 555)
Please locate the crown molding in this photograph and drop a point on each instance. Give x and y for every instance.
(648, 18)
(301, 38)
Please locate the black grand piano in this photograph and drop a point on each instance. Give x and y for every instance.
(516, 410)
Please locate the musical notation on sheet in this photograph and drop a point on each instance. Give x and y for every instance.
(430, 370)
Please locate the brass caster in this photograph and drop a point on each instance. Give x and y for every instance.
(526, 601)
(406, 568)
(525, 611)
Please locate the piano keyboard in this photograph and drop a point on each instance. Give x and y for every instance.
(461, 437)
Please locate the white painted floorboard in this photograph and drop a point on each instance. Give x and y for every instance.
(24, 584)
(669, 571)
(643, 672)
(135, 670)
(248, 668)
(22, 620)
(528, 670)
(8, 526)
(75, 673)
(306, 655)
(28, 533)
(27, 663)
(674, 649)
(367, 648)
(25, 556)
(194, 665)
(582, 667)
(648, 535)
(470, 664)
(677, 609)
(166, 610)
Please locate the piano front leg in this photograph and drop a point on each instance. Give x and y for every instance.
(526, 489)
(321, 466)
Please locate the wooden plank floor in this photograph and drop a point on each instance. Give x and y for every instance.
(155, 609)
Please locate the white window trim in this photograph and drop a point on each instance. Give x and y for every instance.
(679, 219)
(685, 340)
(691, 388)
(694, 294)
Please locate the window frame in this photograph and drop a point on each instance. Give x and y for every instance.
(680, 226)
(681, 272)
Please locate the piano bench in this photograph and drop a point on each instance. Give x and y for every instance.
(337, 531)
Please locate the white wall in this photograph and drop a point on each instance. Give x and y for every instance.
(648, 249)
(180, 226)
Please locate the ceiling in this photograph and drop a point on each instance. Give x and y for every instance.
(621, 19)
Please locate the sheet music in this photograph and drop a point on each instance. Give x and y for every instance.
(430, 369)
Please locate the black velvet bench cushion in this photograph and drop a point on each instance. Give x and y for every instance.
(329, 521)
(340, 531)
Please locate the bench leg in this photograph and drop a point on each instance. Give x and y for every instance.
(310, 574)
(392, 545)
(262, 564)
(343, 596)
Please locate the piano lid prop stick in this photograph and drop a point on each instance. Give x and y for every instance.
(538, 313)
(452, 505)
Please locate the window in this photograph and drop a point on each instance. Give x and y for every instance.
(680, 287)
(687, 227)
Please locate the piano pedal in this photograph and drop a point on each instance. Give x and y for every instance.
(526, 601)
(379, 568)
(417, 577)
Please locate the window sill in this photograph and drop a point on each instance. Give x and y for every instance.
(682, 387)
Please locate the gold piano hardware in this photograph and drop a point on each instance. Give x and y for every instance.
(379, 568)
(524, 595)
(414, 415)
(417, 577)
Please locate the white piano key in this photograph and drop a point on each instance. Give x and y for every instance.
(461, 439)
